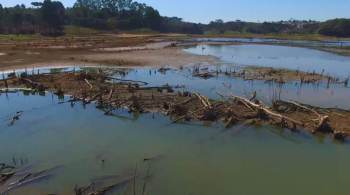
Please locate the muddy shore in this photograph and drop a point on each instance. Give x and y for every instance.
(159, 50)
(106, 49)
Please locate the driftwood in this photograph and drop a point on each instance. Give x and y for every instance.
(6, 172)
(205, 75)
(189, 113)
(88, 83)
(205, 101)
(280, 76)
(322, 125)
(261, 109)
(305, 108)
(93, 189)
(89, 87)
(34, 85)
(15, 118)
(127, 81)
(16, 179)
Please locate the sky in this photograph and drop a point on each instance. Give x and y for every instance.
(205, 11)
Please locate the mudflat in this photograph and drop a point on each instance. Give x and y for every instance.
(106, 49)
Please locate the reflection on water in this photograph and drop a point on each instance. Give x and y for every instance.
(195, 159)
(278, 57)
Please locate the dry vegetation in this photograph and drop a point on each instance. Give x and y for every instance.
(268, 74)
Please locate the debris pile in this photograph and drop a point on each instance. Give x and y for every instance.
(111, 94)
(280, 76)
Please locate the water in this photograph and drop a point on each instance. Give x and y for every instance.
(317, 95)
(295, 58)
(327, 43)
(314, 94)
(196, 159)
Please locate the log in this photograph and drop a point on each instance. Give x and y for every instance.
(126, 80)
(184, 116)
(323, 125)
(87, 82)
(204, 100)
(268, 111)
(110, 94)
(305, 108)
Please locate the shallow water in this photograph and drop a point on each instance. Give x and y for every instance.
(317, 95)
(296, 58)
(335, 95)
(196, 159)
(327, 43)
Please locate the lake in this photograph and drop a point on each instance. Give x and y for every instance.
(188, 158)
(296, 58)
(194, 159)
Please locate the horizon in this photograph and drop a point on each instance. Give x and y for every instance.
(231, 10)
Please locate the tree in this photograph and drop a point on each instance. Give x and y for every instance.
(1, 21)
(337, 27)
(218, 25)
(152, 18)
(36, 4)
(116, 6)
(52, 14)
(1, 11)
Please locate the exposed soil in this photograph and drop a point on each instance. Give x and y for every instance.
(106, 49)
(151, 57)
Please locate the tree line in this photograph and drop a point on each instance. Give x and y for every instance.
(336, 27)
(49, 18)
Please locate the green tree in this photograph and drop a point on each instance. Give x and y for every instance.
(37, 4)
(52, 15)
(152, 18)
(1, 11)
(116, 6)
(337, 27)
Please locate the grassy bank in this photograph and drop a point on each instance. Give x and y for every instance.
(81, 31)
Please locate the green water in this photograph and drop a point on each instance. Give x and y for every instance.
(197, 159)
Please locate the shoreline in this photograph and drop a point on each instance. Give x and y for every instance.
(113, 50)
(138, 56)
